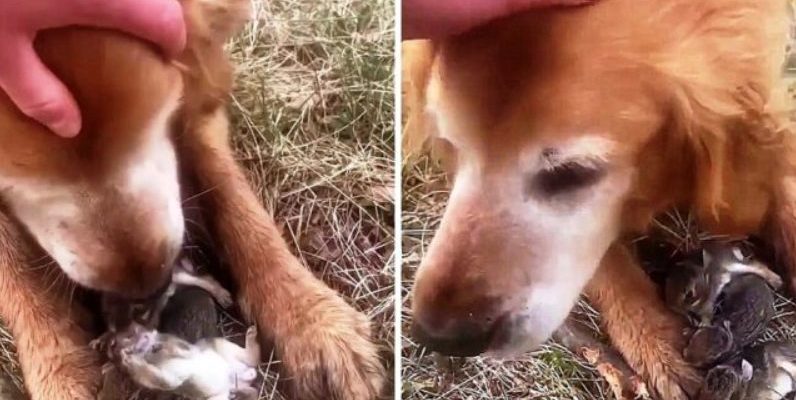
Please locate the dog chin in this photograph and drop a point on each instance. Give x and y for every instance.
(513, 344)
(527, 332)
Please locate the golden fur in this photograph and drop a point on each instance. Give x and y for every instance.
(691, 92)
(325, 345)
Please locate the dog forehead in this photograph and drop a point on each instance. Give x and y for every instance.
(536, 75)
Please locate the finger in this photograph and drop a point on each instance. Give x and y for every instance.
(159, 21)
(35, 90)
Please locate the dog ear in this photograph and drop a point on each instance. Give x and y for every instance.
(737, 138)
(417, 61)
(755, 140)
(724, 88)
(215, 20)
(207, 73)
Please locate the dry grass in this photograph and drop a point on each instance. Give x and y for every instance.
(313, 118)
(313, 124)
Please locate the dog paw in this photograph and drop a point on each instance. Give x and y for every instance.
(657, 357)
(331, 355)
(677, 380)
(74, 375)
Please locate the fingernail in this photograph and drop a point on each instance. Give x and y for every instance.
(67, 128)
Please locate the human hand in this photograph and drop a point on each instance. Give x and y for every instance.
(428, 19)
(28, 82)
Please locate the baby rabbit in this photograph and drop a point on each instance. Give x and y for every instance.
(210, 369)
(692, 290)
(774, 370)
(726, 381)
(185, 308)
(741, 317)
(119, 313)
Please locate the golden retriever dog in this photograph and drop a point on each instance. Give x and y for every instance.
(106, 207)
(565, 131)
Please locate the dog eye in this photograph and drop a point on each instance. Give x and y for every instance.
(566, 177)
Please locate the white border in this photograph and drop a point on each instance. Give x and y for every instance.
(398, 250)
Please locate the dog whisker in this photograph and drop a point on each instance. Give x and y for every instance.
(197, 195)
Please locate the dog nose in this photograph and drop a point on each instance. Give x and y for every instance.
(148, 270)
(465, 336)
(463, 341)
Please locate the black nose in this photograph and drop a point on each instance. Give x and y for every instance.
(460, 339)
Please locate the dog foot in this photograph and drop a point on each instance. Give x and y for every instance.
(331, 355)
(67, 376)
(656, 356)
(641, 327)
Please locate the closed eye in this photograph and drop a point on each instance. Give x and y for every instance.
(566, 177)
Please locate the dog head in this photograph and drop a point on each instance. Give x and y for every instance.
(106, 204)
(561, 131)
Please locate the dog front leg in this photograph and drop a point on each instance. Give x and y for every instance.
(325, 344)
(780, 232)
(57, 363)
(645, 332)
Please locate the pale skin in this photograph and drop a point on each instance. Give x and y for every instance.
(431, 19)
(27, 81)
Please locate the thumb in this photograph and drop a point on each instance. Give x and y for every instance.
(34, 89)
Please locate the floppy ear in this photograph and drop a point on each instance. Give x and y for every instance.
(417, 61)
(206, 71)
(723, 75)
(736, 145)
(215, 20)
(741, 167)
